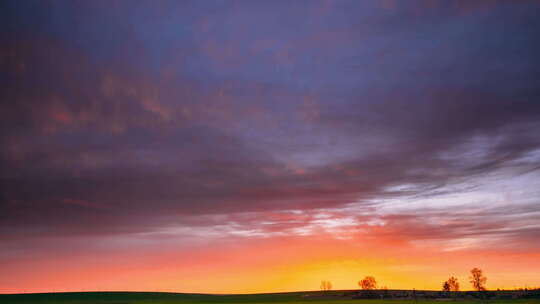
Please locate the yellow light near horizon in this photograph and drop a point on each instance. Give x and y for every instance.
(344, 274)
(280, 265)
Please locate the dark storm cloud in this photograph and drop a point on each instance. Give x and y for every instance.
(130, 118)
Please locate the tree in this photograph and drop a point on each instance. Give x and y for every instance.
(368, 283)
(477, 279)
(451, 284)
(326, 285)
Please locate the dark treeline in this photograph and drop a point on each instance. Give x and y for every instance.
(450, 289)
(428, 294)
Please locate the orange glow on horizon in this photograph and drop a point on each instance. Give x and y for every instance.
(275, 265)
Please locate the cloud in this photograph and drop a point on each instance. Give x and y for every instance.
(195, 127)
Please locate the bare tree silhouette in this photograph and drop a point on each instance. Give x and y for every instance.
(446, 286)
(477, 279)
(326, 285)
(451, 284)
(368, 283)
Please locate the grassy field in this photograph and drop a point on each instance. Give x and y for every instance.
(157, 298)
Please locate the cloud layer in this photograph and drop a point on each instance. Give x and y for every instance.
(413, 123)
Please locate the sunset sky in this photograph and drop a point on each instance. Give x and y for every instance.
(261, 146)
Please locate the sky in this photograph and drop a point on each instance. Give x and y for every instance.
(264, 146)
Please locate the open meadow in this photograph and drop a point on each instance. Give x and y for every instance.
(158, 297)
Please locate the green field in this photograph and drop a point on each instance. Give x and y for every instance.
(156, 298)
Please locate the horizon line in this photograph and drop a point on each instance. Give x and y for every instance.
(260, 293)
